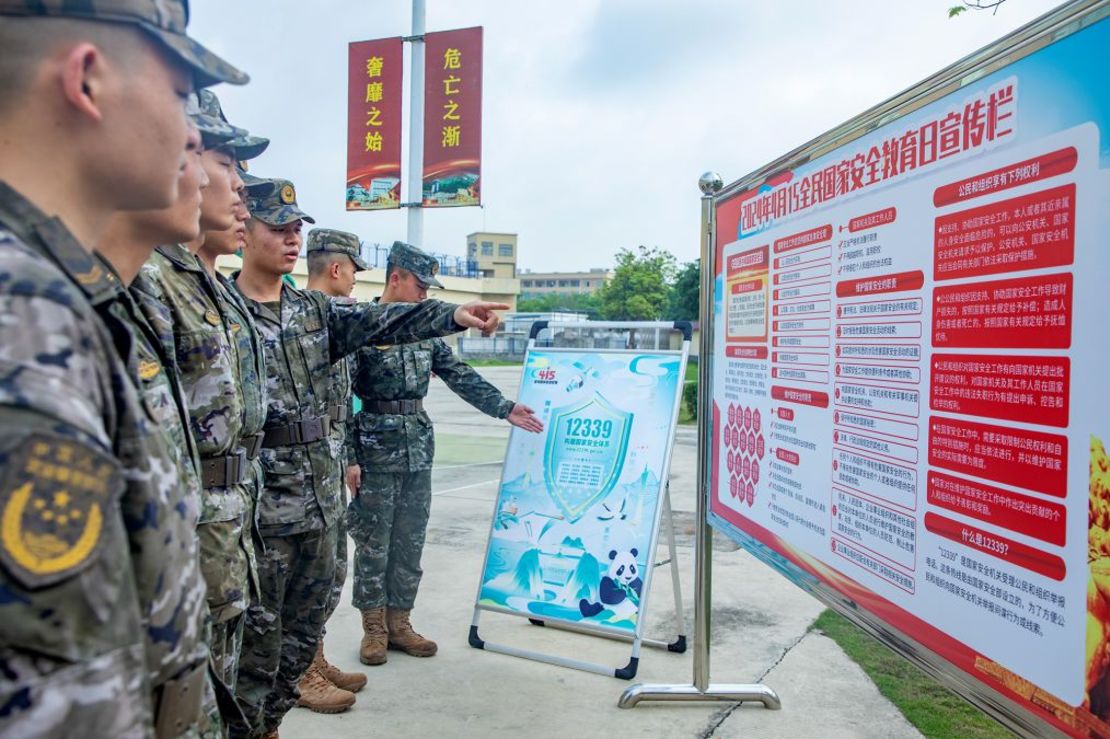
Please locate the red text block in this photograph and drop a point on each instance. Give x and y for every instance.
(1023, 313)
(894, 283)
(1024, 459)
(1031, 389)
(1005, 549)
(1048, 165)
(1025, 514)
(1028, 232)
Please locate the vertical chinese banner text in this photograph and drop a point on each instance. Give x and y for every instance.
(374, 87)
(453, 118)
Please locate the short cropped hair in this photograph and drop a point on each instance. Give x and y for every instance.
(28, 41)
(320, 261)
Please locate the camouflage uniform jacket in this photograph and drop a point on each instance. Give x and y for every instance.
(340, 397)
(92, 614)
(402, 443)
(312, 332)
(251, 357)
(219, 358)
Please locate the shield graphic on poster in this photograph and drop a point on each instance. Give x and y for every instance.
(585, 454)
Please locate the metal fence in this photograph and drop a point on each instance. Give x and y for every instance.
(493, 347)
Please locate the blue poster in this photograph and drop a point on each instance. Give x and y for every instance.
(576, 511)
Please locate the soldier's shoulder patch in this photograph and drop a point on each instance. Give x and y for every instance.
(54, 496)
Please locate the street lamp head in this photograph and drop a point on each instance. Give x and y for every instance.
(710, 183)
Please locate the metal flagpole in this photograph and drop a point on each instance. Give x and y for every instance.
(701, 689)
(415, 234)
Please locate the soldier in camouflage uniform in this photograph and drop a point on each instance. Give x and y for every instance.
(130, 236)
(210, 336)
(333, 262)
(303, 334)
(395, 444)
(102, 604)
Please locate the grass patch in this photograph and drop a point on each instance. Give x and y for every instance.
(932, 708)
(493, 363)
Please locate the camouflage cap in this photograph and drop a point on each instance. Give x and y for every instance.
(255, 186)
(336, 242)
(277, 207)
(245, 145)
(248, 146)
(165, 20)
(420, 263)
(205, 112)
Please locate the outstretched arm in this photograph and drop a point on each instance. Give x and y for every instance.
(476, 390)
(354, 326)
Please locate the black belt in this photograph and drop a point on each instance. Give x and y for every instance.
(407, 407)
(304, 431)
(339, 413)
(221, 472)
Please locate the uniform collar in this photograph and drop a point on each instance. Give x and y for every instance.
(180, 257)
(262, 310)
(49, 236)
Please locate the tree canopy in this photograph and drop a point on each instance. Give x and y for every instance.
(641, 286)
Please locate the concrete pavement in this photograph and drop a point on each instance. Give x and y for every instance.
(760, 634)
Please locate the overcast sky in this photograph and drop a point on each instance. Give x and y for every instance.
(599, 115)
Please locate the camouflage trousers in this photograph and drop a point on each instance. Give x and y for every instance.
(340, 568)
(227, 556)
(388, 521)
(283, 627)
(225, 648)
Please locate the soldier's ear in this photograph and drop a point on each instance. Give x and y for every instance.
(82, 74)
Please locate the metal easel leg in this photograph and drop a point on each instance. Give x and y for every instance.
(679, 644)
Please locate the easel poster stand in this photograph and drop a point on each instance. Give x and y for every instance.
(576, 521)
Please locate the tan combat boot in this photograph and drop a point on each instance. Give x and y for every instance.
(402, 637)
(349, 681)
(374, 637)
(319, 695)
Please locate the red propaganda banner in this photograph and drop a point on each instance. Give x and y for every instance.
(453, 118)
(374, 124)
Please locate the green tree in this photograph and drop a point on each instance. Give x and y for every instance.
(640, 288)
(685, 300)
(559, 303)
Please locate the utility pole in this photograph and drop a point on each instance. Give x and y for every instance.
(415, 234)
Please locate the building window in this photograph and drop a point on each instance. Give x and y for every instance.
(473, 250)
(574, 283)
(487, 248)
(551, 283)
(504, 250)
(526, 283)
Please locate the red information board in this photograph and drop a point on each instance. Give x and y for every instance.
(918, 316)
